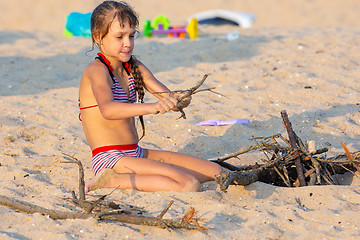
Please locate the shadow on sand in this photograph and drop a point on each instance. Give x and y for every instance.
(23, 75)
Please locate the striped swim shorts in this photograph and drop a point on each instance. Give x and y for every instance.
(108, 156)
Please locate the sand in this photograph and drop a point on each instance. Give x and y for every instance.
(299, 56)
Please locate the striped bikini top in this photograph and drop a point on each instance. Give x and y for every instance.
(118, 92)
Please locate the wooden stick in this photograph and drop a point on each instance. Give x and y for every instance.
(221, 159)
(189, 93)
(81, 175)
(348, 154)
(286, 173)
(292, 140)
(95, 203)
(31, 208)
(149, 221)
(188, 217)
(193, 89)
(161, 215)
(317, 166)
(121, 217)
(282, 176)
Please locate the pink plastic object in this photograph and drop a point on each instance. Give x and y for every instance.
(172, 30)
(214, 122)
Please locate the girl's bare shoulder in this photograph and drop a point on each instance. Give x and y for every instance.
(95, 69)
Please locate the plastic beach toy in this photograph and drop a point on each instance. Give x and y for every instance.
(161, 25)
(78, 24)
(214, 122)
(244, 20)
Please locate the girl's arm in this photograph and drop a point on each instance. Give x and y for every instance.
(153, 85)
(101, 84)
(157, 88)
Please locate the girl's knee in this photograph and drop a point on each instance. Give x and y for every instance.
(191, 185)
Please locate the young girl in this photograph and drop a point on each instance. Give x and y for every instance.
(109, 88)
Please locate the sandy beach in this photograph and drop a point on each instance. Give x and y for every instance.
(298, 56)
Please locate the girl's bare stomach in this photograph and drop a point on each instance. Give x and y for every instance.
(110, 132)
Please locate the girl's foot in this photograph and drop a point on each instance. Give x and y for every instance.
(100, 181)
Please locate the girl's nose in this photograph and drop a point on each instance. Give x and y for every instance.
(127, 42)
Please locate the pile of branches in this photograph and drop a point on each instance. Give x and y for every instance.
(290, 162)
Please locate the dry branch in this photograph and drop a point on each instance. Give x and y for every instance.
(189, 215)
(189, 92)
(293, 143)
(120, 217)
(161, 215)
(81, 175)
(31, 208)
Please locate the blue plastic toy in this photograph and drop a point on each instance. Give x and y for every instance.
(78, 25)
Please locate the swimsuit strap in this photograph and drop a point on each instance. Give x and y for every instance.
(102, 59)
(127, 68)
(92, 106)
(81, 108)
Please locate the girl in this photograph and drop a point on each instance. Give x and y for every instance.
(109, 88)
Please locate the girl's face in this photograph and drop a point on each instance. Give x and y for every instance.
(119, 42)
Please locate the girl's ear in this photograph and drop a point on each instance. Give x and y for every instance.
(97, 38)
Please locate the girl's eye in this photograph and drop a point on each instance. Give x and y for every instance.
(134, 35)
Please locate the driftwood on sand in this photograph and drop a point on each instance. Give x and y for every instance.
(101, 209)
(288, 162)
(110, 215)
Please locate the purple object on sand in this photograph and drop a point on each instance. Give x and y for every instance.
(214, 122)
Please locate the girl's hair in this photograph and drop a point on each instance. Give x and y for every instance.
(101, 20)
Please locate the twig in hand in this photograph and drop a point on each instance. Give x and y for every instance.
(193, 89)
(189, 93)
(210, 90)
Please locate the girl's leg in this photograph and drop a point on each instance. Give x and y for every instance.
(144, 175)
(201, 169)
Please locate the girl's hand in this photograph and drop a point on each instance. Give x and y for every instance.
(165, 105)
(183, 103)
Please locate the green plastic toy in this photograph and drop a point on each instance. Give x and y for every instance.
(161, 25)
